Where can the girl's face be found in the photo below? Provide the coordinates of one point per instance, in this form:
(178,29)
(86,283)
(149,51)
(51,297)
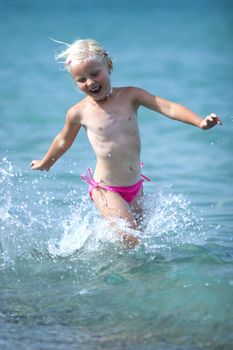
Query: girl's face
(92,78)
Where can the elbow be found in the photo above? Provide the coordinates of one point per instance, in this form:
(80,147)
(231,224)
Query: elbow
(171,110)
(176,111)
(63,144)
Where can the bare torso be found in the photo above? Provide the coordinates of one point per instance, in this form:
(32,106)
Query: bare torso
(112,129)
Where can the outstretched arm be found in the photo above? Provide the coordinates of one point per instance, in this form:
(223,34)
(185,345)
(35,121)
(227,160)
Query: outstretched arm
(60,144)
(174,110)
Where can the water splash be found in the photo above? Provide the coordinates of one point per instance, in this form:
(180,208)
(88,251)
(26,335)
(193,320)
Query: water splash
(19,228)
(9,223)
(42,228)
(6,172)
(170,222)
(85,229)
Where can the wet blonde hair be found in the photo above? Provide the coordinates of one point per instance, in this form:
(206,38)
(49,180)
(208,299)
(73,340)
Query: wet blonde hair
(82,50)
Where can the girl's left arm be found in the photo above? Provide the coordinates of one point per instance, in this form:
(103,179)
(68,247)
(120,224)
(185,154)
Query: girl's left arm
(174,110)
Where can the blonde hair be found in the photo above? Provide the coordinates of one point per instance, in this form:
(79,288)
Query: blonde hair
(82,50)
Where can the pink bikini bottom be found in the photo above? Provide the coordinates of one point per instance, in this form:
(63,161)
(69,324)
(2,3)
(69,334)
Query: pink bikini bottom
(128,193)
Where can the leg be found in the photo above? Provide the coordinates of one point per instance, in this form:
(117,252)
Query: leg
(136,207)
(112,205)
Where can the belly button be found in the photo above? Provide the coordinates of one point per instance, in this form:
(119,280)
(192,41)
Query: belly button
(130,168)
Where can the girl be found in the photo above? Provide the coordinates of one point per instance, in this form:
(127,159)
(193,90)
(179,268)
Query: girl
(109,116)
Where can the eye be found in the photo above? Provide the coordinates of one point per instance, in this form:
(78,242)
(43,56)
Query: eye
(81,80)
(95,73)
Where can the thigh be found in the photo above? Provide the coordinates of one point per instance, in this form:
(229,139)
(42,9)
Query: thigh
(137,208)
(111,204)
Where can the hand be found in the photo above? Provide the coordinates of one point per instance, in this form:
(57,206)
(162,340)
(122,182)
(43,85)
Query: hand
(210,121)
(130,241)
(38,165)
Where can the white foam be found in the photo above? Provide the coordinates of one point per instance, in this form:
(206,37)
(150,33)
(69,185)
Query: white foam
(60,230)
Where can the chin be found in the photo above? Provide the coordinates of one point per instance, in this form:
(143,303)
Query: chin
(99,97)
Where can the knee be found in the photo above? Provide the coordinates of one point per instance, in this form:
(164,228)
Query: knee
(131,241)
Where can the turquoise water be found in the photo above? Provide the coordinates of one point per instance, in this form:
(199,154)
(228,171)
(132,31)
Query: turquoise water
(64,282)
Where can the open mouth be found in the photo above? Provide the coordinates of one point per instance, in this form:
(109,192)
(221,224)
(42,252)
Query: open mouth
(95,90)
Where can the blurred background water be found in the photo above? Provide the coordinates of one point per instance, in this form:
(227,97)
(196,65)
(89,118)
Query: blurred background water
(65,283)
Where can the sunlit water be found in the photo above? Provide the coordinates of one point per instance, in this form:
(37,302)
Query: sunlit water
(66,279)
(62,268)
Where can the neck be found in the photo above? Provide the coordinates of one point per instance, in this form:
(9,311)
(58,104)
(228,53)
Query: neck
(110,92)
(106,96)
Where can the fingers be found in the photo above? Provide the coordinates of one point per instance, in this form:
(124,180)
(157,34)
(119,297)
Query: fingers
(216,118)
(35,165)
(213,118)
(210,121)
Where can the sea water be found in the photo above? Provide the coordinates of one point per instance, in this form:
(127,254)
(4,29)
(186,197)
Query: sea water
(66,281)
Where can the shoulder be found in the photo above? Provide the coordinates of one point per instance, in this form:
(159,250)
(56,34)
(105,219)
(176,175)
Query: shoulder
(127,90)
(138,96)
(74,113)
(131,92)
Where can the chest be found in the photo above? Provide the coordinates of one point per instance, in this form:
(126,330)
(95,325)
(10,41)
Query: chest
(111,122)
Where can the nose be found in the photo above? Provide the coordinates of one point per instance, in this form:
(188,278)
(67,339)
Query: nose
(90,82)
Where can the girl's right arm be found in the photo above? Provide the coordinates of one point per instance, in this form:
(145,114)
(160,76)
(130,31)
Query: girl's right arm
(60,144)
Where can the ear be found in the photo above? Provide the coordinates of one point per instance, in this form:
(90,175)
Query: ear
(110,66)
